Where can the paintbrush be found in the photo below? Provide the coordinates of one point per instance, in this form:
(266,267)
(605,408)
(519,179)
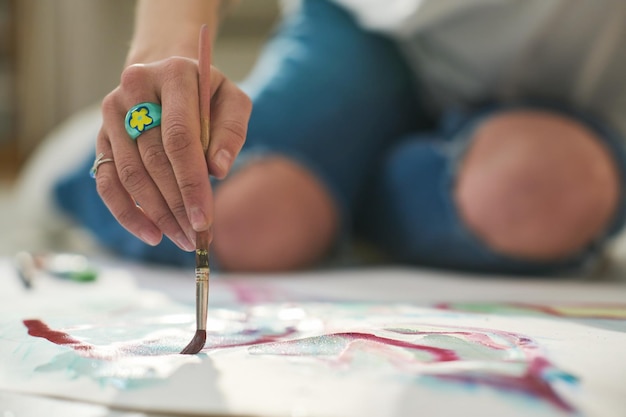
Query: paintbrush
(202,238)
(26,268)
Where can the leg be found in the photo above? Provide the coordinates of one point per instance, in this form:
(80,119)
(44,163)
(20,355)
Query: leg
(327,97)
(273,214)
(535,191)
(537,186)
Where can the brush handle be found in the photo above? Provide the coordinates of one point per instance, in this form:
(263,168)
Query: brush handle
(202,238)
(204,85)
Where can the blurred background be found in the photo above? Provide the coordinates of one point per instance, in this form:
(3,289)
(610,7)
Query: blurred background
(59,58)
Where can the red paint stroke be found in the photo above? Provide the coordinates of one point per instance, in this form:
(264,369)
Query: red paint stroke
(37,328)
(534,382)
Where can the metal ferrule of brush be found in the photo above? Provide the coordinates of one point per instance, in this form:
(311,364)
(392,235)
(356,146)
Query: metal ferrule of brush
(202,288)
(202,297)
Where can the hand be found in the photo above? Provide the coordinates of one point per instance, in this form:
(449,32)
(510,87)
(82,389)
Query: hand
(159,183)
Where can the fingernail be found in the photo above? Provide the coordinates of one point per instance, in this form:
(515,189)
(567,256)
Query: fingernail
(222,160)
(198,219)
(150,237)
(184,243)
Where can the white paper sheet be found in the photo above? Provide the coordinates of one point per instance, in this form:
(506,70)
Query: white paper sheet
(351,343)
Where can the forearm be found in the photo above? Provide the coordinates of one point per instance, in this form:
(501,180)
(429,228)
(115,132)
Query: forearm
(165,28)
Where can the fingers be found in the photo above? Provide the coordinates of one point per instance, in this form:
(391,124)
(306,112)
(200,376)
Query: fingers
(230,112)
(180,130)
(142,166)
(119,202)
(159,183)
(168,212)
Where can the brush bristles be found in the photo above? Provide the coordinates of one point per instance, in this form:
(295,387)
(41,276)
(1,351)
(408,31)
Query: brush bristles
(196,344)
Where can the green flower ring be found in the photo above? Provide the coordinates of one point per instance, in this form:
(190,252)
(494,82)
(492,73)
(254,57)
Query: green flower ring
(142,117)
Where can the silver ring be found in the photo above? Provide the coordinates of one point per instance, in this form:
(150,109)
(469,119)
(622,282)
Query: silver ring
(99,161)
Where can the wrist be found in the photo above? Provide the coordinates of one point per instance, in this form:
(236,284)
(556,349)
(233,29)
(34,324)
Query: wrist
(164,29)
(147,52)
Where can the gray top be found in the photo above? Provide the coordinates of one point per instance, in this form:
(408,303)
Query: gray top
(465,51)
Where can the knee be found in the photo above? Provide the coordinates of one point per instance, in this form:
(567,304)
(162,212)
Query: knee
(272,215)
(537,185)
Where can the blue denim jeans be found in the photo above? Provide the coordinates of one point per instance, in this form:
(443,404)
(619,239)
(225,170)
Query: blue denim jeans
(343,103)
(411,212)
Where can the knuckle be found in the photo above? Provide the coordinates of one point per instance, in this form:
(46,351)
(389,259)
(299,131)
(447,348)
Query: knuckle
(125,217)
(109,103)
(164,220)
(176,136)
(105,187)
(179,210)
(246,101)
(231,92)
(155,155)
(217,73)
(235,130)
(189,187)
(177,65)
(132,177)
(133,76)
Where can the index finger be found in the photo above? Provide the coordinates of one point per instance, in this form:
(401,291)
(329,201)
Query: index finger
(229,124)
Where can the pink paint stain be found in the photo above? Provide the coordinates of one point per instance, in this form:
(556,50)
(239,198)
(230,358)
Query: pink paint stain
(327,344)
(534,382)
(38,328)
(250,338)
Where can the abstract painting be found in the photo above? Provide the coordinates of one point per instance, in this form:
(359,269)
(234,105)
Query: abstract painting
(271,357)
